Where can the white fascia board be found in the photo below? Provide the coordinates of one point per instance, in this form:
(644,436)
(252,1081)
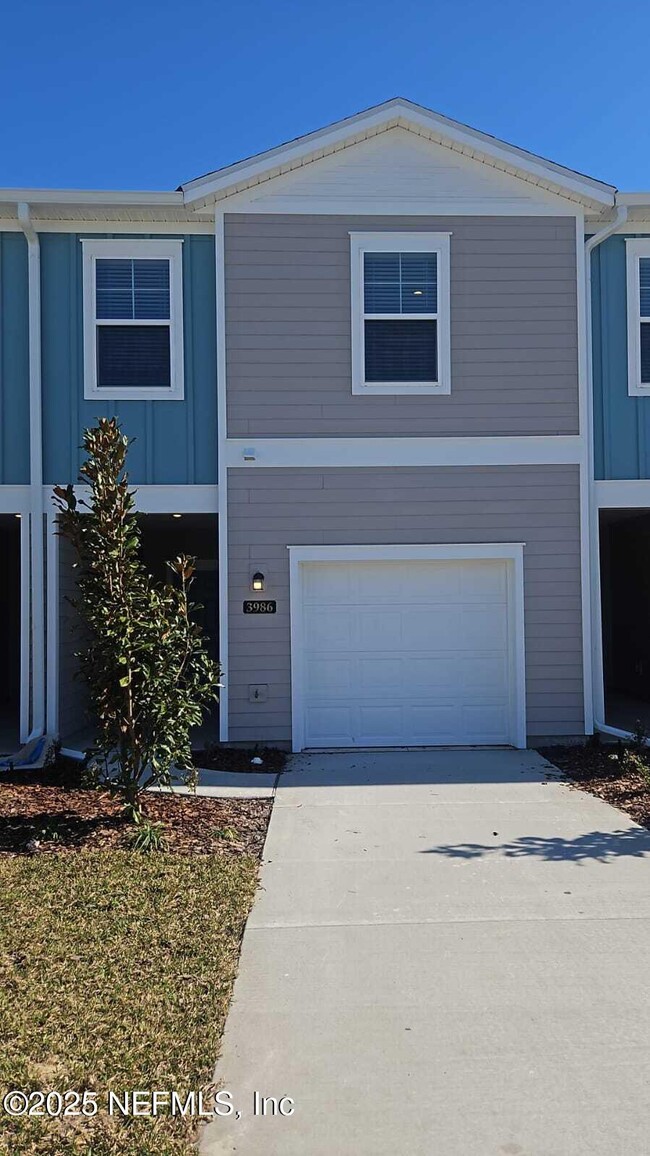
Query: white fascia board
(110,225)
(515,158)
(406,115)
(89,197)
(627,494)
(634,199)
(321,453)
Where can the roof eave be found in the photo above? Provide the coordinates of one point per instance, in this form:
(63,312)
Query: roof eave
(89,197)
(399,113)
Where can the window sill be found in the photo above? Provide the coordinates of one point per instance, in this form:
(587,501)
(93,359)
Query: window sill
(135,394)
(389,388)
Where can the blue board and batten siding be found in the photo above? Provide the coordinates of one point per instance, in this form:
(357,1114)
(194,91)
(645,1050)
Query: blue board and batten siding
(14,361)
(175,441)
(621,422)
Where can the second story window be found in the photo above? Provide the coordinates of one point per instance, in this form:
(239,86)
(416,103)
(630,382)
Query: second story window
(400,313)
(133,319)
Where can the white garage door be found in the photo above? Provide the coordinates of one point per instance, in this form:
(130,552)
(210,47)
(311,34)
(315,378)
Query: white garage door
(407,653)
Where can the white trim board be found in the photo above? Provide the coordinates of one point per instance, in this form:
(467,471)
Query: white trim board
(510,552)
(587,518)
(622,495)
(14,499)
(348,207)
(165,499)
(222,418)
(251,453)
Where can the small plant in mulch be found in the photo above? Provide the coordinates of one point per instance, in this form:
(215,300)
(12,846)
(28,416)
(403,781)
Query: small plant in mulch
(227,833)
(147,836)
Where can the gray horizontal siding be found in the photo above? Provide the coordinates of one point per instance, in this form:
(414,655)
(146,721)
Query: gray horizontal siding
(513,329)
(269,509)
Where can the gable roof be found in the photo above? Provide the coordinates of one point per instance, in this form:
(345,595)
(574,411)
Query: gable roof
(398,113)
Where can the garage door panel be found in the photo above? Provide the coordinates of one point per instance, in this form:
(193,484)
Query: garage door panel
(379,629)
(434,675)
(401,653)
(330,632)
(377,725)
(433,724)
(431,627)
(489,671)
(327,582)
(489,720)
(483,627)
(329,677)
(330,726)
(429,585)
(483,582)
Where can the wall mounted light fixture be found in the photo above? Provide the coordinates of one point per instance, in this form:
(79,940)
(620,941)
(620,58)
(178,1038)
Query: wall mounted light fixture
(257,581)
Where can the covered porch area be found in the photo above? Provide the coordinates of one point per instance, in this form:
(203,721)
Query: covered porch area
(164,537)
(625,608)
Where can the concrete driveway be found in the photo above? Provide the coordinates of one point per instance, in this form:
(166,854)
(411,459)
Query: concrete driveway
(449,956)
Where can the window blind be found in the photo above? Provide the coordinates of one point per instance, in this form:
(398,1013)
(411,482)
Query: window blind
(401,350)
(644,306)
(400,283)
(131,356)
(404,349)
(132,290)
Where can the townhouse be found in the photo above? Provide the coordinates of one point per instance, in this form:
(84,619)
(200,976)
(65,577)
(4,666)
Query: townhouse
(358,371)
(620,322)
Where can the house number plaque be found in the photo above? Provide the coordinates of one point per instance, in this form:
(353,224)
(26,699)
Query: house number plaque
(259,606)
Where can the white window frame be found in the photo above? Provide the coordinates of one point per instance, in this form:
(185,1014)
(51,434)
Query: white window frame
(172,251)
(635,249)
(394,242)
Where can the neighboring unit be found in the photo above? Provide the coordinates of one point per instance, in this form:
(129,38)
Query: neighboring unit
(358,367)
(621,382)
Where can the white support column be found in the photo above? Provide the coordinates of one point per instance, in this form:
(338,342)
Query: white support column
(25,648)
(36,526)
(587,559)
(52,624)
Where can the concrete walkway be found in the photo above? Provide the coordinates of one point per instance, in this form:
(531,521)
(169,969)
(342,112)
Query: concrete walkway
(449,956)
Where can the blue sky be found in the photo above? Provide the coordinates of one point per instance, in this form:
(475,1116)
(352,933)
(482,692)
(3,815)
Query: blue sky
(143,94)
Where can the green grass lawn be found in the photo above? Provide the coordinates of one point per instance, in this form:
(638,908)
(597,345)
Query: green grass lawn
(116,971)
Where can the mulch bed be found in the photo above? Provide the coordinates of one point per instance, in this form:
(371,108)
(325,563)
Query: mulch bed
(613,772)
(54,808)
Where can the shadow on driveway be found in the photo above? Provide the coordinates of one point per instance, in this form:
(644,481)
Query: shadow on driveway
(601,846)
